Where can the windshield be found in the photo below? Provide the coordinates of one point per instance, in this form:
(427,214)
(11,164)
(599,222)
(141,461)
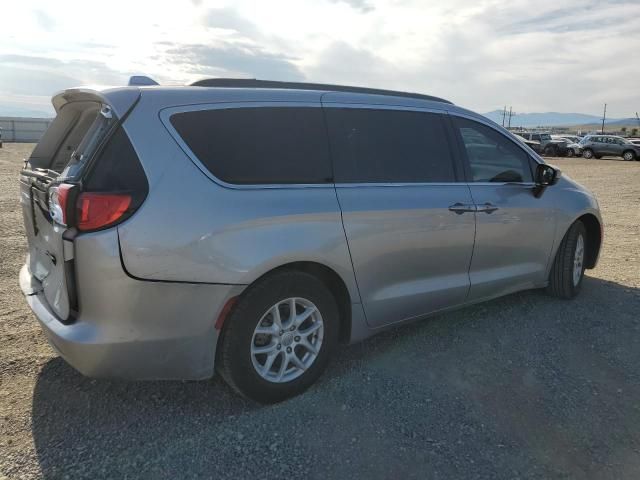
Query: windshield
(545,136)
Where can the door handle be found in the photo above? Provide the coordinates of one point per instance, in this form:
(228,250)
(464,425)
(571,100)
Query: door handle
(460,208)
(487,208)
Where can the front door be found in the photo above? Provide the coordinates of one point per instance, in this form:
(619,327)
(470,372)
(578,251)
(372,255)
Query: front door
(409,223)
(514,228)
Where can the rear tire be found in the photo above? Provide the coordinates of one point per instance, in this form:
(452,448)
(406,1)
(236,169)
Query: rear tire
(567,272)
(587,153)
(570,152)
(238,358)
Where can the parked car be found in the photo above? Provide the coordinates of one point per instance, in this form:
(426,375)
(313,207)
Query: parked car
(635,141)
(574,149)
(570,138)
(535,146)
(599,145)
(551,147)
(251,226)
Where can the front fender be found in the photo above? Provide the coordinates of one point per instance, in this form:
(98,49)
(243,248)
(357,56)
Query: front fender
(573,202)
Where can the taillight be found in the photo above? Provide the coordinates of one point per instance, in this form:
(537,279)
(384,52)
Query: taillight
(59,199)
(99,210)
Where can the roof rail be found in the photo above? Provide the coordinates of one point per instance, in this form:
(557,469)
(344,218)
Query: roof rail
(254,83)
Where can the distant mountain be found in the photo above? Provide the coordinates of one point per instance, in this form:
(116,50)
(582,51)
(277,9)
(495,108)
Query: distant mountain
(555,119)
(623,121)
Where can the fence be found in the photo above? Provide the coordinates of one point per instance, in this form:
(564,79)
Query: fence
(20,129)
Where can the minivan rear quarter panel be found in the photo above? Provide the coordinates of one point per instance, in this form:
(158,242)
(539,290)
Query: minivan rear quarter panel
(233,234)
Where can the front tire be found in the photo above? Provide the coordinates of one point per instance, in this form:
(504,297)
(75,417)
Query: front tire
(567,272)
(587,153)
(279,338)
(629,155)
(570,152)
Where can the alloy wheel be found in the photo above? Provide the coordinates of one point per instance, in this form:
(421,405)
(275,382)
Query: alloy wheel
(287,340)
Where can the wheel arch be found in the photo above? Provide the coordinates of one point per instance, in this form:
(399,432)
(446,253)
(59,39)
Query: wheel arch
(594,238)
(331,279)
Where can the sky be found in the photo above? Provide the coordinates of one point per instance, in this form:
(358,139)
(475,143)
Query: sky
(568,56)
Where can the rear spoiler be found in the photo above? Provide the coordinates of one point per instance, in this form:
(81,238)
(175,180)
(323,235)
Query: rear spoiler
(119,99)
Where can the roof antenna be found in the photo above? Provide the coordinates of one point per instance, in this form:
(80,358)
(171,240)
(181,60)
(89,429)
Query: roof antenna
(141,80)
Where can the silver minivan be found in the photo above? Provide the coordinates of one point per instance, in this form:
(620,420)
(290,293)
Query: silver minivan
(249,227)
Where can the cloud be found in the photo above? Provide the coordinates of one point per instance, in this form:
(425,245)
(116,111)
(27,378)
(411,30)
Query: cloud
(44,20)
(362,5)
(230,19)
(340,62)
(233,60)
(44,76)
(554,56)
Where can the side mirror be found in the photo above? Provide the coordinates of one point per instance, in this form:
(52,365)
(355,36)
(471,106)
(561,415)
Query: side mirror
(546,175)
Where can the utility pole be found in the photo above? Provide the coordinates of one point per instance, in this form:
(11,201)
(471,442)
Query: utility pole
(604,116)
(504,114)
(511,114)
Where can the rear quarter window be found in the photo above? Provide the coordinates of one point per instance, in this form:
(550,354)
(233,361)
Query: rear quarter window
(117,167)
(259,145)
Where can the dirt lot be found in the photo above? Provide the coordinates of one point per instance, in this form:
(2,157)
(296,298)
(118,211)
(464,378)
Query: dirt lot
(522,387)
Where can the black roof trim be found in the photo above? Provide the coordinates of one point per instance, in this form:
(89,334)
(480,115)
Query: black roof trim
(254,83)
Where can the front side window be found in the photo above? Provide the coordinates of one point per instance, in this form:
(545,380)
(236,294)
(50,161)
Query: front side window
(492,156)
(263,145)
(388,146)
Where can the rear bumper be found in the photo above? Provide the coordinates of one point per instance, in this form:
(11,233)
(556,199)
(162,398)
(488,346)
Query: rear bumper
(127,328)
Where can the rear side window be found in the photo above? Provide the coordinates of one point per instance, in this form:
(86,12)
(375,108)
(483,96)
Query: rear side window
(492,156)
(117,168)
(264,145)
(388,146)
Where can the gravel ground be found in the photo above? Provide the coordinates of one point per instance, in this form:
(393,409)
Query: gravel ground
(522,387)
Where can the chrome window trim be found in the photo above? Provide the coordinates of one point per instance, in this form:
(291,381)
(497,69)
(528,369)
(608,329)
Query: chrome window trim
(401,184)
(166,113)
(383,106)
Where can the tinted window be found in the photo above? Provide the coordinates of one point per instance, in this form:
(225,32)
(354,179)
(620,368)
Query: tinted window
(388,146)
(492,156)
(259,145)
(117,168)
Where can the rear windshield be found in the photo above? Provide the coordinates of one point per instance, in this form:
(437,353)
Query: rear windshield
(92,137)
(72,138)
